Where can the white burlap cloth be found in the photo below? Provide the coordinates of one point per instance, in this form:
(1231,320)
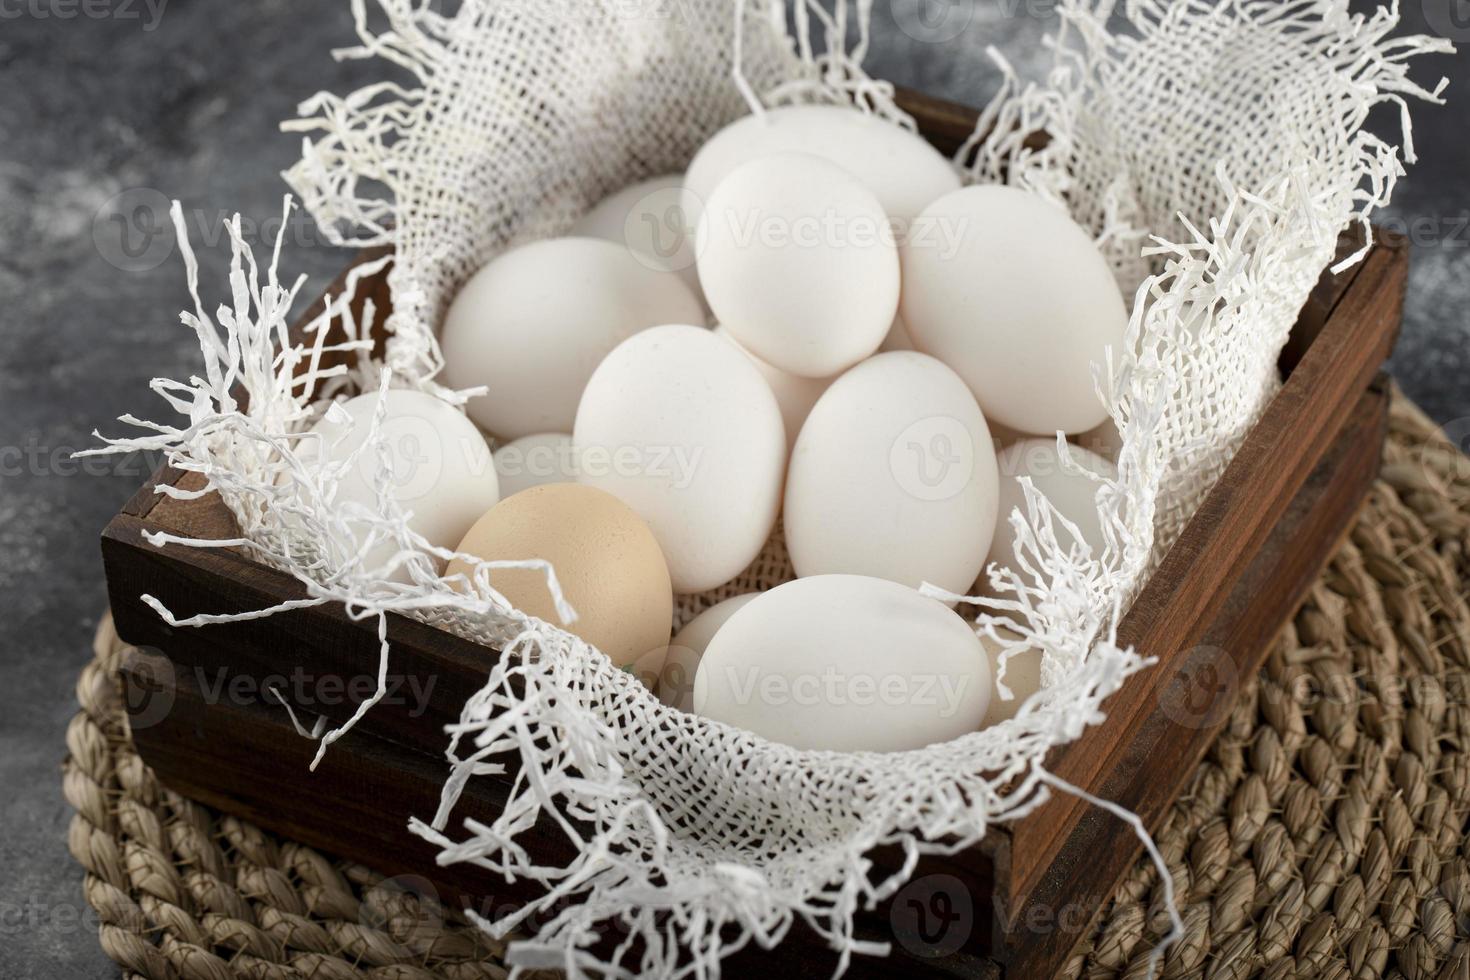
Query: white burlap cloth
(1215,150)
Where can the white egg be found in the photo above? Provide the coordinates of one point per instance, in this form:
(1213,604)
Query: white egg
(441,469)
(1019,301)
(534,323)
(798,263)
(904,171)
(680,426)
(648,217)
(893,476)
(845,663)
(1022,680)
(676,680)
(794,394)
(530,461)
(1073,494)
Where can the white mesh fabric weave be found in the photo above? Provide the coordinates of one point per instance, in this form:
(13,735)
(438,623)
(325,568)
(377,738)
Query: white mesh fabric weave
(1214,149)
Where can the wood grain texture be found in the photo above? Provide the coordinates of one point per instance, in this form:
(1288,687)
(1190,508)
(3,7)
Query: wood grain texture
(229,747)
(1067,882)
(1227,532)
(1222,592)
(356,804)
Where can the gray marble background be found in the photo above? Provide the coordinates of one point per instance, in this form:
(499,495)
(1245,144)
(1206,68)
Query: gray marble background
(101,98)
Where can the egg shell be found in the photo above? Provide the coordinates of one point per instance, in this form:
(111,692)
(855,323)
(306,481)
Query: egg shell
(893,476)
(1022,680)
(798,263)
(845,663)
(648,217)
(680,426)
(1073,494)
(1019,301)
(534,323)
(606,560)
(681,662)
(794,394)
(441,468)
(530,461)
(898,166)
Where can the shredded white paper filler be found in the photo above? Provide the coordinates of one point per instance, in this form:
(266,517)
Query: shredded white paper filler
(1213,147)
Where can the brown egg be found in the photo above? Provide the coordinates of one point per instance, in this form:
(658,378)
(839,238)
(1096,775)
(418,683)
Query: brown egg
(607,561)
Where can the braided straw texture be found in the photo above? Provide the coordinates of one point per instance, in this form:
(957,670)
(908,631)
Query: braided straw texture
(184,893)
(495,124)
(1323,835)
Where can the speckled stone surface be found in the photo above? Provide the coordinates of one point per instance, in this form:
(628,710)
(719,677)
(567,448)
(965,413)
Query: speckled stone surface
(183,97)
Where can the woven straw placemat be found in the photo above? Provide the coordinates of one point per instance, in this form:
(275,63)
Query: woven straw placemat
(1323,835)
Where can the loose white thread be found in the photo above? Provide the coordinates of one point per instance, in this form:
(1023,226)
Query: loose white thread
(502,126)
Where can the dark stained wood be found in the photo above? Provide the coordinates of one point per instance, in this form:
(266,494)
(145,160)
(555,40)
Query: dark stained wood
(1188,699)
(372,290)
(321,640)
(1224,590)
(356,804)
(943,123)
(1324,299)
(1223,537)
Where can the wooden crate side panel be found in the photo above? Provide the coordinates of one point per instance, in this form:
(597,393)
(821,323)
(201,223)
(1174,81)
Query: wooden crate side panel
(1343,335)
(1220,541)
(1195,691)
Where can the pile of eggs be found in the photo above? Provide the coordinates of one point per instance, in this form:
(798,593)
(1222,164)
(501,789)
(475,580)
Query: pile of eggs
(844,343)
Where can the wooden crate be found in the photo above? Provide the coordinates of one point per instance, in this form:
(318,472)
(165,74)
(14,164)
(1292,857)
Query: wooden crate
(1013,907)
